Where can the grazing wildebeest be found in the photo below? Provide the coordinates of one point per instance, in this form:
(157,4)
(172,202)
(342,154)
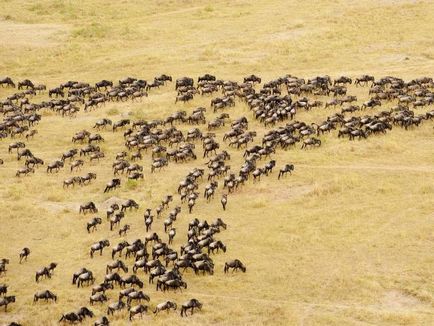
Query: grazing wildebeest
(24,254)
(7,81)
(89,206)
(311,142)
(85,278)
(103,321)
(46,295)
(92,224)
(119,248)
(252,79)
(118,264)
(71,318)
(190,304)
(216,245)
(130,203)
(100,245)
(139,309)
(24,153)
(56,165)
(42,272)
(137,295)
(167,305)
(131,280)
(27,83)
(288,168)
(113,184)
(116,306)
(104,286)
(7,300)
(99,297)
(235,265)
(31,162)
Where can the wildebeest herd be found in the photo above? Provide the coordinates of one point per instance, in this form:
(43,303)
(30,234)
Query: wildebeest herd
(273,104)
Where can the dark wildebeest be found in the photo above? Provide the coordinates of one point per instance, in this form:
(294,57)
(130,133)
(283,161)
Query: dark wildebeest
(190,304)
(7,300)
(138,310)
(89,206)
(113,184)
(235,265)
(311,142)
(24,254)
(99,246)
(46,295)
(288,168)
(92,224)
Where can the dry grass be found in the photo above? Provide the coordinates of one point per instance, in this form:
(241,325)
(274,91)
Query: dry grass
(346,240)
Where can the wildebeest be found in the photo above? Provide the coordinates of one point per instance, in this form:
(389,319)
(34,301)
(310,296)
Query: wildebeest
(42,272)
(312,141)
(252,79)
(3,289)
(46,295)
(5,301)
(190,305)
(113,184)
(99,246)
(116,306)
(71,317)
(137,295)
(102,287)
(123,230)
(167,305)
(288,168)
(7,81)
(103,321)
(56,165)
(131,280)
(86,277)
(102,123)
(129,203)
(235,265)
(24,254)
(138,310)
(89,206)
(25,171)
(99,297)
(92,224)
(118,264)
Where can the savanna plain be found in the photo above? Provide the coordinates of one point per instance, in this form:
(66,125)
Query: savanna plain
(347,239)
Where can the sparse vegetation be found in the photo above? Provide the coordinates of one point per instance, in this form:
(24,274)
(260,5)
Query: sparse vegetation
(346,240)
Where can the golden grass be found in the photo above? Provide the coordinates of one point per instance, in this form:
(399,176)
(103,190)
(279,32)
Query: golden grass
(346,240)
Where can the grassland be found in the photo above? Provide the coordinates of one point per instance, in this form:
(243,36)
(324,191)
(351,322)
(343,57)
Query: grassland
(346,240)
